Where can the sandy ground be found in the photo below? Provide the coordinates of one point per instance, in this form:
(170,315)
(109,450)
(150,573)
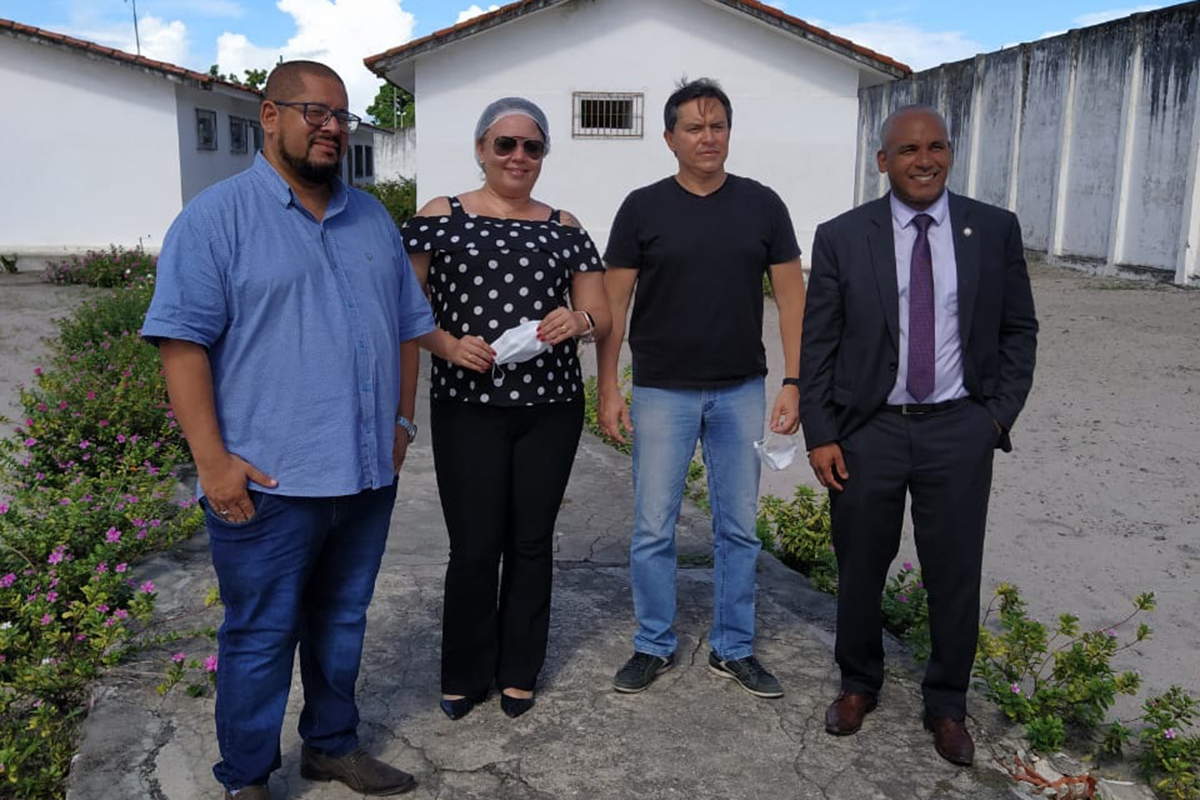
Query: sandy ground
(1099,500)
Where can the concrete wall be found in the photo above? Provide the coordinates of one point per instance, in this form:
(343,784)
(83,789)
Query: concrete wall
(1091,137)
(94,159)
(795,104)
(395,154)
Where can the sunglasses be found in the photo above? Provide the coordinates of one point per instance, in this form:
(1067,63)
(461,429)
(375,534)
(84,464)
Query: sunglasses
(505,145)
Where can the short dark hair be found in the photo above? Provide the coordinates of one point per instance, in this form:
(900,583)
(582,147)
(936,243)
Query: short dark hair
(286,81)
(693,90)
(886,128)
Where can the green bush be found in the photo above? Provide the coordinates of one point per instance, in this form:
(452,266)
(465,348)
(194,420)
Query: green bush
(1055,684)
(105,268)
(905,607)
(398,197)
(797,532)
(87,488)
(1170,757)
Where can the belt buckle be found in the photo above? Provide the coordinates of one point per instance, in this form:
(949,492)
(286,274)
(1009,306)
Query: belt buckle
(915,411)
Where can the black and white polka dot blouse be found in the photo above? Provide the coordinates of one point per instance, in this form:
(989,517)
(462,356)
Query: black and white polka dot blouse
(487,275)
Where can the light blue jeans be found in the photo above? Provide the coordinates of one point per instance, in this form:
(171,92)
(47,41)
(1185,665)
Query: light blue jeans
(667,423)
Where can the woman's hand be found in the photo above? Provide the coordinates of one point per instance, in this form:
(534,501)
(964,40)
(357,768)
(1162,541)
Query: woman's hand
(561,324)
(473,353)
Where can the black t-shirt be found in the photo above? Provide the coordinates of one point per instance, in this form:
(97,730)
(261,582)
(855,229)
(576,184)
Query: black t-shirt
(698,305)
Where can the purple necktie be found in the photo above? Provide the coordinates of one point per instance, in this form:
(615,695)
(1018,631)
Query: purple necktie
(920,313)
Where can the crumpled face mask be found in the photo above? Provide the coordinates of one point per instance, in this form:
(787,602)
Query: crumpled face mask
(519,343)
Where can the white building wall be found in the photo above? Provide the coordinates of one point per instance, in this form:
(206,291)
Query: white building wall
(395,154)
(95,160)
(795,105)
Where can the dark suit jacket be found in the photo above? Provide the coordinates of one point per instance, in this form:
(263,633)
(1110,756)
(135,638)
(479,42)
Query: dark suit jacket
(850,349)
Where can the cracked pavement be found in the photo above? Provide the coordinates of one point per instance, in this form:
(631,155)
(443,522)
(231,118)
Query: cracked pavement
(691,735)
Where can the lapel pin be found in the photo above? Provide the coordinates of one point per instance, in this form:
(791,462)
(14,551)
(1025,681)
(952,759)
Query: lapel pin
(967,232)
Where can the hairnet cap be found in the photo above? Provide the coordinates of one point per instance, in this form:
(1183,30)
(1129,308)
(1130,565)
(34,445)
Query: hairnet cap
(506,106)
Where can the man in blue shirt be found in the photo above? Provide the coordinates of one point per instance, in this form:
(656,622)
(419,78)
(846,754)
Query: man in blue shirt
(286,315)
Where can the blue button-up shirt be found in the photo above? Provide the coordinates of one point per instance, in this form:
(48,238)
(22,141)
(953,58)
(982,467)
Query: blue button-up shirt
(302,320)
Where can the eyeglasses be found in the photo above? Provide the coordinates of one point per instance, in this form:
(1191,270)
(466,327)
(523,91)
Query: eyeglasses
(505,145)
(318,114)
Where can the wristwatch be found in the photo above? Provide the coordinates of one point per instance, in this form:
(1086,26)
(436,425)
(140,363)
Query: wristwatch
(792,382)
(409,426)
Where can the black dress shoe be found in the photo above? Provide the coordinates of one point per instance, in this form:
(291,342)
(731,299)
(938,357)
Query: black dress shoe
(951,739)
(457,709)
(845,714)
(515,706)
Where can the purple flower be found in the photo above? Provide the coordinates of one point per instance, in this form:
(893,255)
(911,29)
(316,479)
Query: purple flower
(121,567)
(56,557)
(85,444)
(903,598)
(1015,688)
(30,442)
(102,568)
(3,508)
(112,535)
(8,580)
(1170,733)
(908,567)
(122,614)
(51,597)
(210,664)
(47,619)
(178,657)
(120,438)
(102,608)
(147,587)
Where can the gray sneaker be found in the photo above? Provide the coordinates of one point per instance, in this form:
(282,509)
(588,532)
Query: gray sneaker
(750,675)
(640,671)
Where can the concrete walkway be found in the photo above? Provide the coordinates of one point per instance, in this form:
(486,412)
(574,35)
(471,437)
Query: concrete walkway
(691,735)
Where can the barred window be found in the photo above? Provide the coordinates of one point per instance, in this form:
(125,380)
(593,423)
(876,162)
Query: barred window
(237,135)
(206,129)
(607,115)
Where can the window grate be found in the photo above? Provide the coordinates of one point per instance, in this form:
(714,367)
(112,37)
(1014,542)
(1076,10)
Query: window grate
(605,115)
(206,129)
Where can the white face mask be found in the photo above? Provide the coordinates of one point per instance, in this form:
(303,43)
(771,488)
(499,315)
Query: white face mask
(519,343)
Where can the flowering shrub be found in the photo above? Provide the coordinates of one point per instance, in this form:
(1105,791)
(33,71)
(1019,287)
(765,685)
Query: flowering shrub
(106,268)
(1053,683)
(88,487)
(1171,757)
(905,607)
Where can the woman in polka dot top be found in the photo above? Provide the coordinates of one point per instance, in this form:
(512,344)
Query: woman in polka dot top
(504,436)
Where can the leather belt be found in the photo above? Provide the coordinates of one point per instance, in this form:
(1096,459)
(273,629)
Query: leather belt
(919,409)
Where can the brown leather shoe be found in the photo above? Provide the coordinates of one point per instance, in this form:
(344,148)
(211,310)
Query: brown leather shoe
(845,714)
(358,770)
(249,793)
(951,739)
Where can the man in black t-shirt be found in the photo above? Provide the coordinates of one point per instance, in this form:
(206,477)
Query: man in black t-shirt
(691,250)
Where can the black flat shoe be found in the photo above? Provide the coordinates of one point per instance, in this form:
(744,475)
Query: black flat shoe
(457,709)
(514,707)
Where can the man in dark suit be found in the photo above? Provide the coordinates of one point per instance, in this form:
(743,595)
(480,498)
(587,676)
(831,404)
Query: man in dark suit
(919,347)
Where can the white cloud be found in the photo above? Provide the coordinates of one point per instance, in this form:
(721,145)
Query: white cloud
(160,39)
(474,11)
(340,33)
(905,42)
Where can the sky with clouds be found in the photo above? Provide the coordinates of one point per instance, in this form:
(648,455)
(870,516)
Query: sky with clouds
(251,34)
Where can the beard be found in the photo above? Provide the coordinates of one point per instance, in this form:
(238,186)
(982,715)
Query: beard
(311,171)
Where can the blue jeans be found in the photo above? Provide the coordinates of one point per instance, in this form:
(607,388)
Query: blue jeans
(301,571)
(667,423)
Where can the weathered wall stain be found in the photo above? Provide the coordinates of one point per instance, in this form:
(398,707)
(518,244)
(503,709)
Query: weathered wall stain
(1090,136)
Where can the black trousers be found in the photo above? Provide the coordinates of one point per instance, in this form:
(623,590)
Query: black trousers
(943,461)
(501,475)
